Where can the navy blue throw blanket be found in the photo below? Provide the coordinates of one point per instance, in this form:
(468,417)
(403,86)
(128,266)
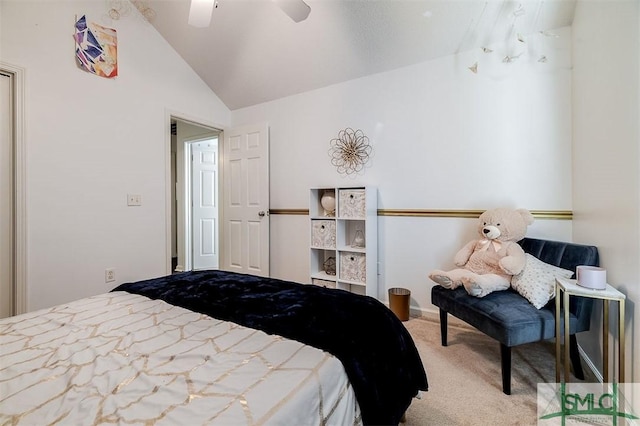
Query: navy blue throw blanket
(377,351)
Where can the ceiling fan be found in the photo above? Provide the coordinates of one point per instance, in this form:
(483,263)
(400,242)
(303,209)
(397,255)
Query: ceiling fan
(200,11)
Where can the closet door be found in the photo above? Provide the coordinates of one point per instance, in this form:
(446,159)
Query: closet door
(7,197)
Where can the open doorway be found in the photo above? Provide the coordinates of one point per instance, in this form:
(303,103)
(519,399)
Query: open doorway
(13,209)
(243,186)
(7,190)
(194,196)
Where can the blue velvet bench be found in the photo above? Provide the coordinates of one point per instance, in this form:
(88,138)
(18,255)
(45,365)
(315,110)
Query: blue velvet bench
(510,318)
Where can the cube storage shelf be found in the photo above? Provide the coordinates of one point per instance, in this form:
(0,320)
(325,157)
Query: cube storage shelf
(344,242)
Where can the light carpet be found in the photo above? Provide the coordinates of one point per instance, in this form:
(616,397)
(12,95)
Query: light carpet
(465,380)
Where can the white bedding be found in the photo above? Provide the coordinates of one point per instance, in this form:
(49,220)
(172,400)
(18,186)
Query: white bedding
(120,358)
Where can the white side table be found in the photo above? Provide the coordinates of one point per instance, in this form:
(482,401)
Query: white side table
(570,288)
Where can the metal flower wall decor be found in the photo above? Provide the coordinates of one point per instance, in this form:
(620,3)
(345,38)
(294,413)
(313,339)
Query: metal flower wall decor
(350,151)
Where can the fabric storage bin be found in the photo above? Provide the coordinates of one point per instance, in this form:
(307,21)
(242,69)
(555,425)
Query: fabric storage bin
(351,203)
(323,283)
(353,267)
(323,234)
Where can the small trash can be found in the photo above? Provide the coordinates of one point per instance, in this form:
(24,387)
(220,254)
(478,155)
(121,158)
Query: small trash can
(399,302)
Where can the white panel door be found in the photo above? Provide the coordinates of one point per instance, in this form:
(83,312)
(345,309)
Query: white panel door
(6,193)
(204,169)
(246,199)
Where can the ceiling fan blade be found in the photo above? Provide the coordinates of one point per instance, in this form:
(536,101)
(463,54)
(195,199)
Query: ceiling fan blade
(297,10)
(200,13)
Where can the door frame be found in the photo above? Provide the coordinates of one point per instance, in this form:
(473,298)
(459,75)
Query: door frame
(169,116)
(17,75)
(188,197)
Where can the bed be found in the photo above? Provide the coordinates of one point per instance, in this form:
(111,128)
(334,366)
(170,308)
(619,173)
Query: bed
(209,347)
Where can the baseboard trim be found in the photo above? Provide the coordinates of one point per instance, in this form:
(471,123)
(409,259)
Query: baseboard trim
(590,364)
(433,315)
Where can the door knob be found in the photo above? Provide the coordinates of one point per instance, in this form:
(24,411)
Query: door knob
(262,213)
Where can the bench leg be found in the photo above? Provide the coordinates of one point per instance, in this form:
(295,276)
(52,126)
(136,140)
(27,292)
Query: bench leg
(505,357)
(443,326)
(575,357)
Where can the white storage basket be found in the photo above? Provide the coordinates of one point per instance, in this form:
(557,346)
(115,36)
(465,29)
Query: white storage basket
(352,203)
(353,267)
(324,283)
(323,234)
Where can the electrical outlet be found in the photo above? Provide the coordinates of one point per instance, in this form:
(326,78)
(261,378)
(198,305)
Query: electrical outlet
(134,199)
(109,275)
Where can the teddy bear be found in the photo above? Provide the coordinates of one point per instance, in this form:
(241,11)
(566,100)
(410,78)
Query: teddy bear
(487,264)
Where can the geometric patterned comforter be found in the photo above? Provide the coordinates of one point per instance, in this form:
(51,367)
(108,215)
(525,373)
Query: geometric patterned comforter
(121,358)
(379,355)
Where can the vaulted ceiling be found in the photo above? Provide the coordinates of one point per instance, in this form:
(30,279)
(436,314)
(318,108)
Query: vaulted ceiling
(252,52)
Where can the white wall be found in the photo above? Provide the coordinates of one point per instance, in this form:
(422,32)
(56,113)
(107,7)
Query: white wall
(443,138)
(606,166)
(90,141)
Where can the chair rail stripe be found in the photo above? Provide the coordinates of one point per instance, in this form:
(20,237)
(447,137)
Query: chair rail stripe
(538,214)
